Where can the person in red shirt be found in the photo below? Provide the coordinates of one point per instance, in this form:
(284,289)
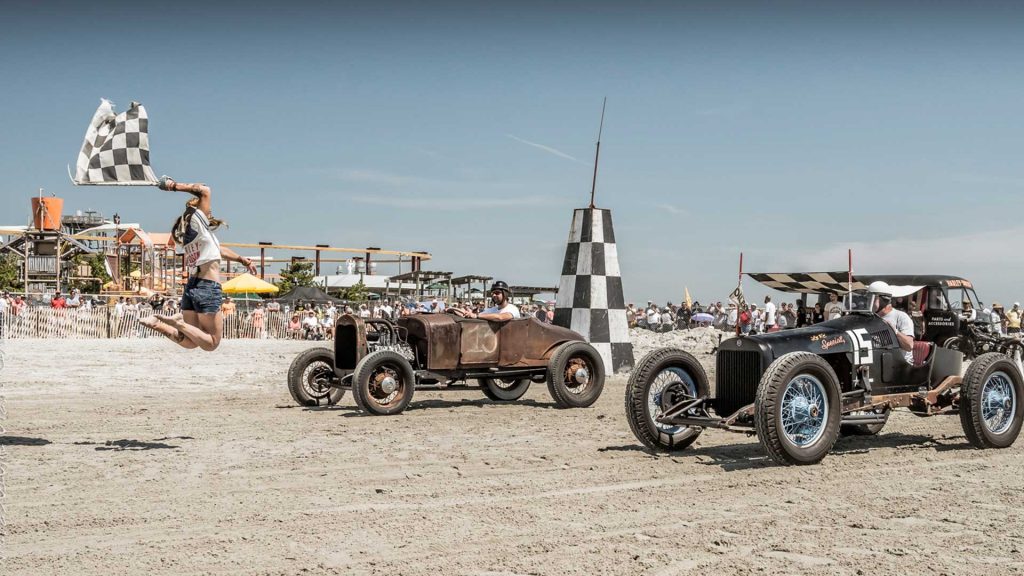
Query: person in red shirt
(58,301)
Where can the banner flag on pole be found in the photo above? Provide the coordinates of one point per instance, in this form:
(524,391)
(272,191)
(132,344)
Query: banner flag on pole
(116,149)
(736,297)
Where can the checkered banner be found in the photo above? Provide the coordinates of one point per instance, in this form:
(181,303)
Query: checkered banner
(590,299)
(116,148)
(808,282)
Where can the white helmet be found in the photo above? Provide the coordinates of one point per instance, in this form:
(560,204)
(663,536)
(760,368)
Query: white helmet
(882,292)
(881,288)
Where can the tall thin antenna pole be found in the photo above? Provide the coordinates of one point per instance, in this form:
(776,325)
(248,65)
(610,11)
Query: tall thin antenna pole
(740,299)
(849,275)
(597,154)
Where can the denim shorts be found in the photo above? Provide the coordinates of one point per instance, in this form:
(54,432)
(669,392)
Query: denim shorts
(202,296)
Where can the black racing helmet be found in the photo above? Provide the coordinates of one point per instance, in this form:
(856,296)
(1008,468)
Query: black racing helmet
(499,285)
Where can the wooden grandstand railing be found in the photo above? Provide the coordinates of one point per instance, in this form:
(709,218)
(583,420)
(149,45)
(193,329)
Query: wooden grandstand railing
(81,323)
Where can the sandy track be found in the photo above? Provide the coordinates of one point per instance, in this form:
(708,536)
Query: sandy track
(210,468)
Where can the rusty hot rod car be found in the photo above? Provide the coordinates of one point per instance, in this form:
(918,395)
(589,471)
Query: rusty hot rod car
(382,362)
(796,389)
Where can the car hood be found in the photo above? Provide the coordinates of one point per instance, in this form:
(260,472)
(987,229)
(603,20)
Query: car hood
(831,336)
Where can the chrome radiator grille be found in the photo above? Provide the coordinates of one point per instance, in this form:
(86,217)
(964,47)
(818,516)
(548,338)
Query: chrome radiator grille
(737,373)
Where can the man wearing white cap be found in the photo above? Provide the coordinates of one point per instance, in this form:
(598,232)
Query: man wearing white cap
(899,320)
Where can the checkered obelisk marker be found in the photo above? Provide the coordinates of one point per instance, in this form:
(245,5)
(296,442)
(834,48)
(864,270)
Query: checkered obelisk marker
(590,299)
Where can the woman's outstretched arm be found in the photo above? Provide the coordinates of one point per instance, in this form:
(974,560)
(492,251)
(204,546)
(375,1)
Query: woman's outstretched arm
(229,254)
(200,191)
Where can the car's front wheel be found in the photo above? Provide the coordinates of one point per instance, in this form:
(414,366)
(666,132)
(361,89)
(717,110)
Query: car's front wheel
(797,410)
(383,383)
(662,379)
(504,389)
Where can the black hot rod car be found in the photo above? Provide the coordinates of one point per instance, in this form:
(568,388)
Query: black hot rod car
(796,389)
(383,361)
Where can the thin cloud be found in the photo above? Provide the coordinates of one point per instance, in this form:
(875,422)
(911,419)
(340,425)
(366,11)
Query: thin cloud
(452,203)
(965,178)
(547,149)
(385,178)
(990,249)
(674,210)
(734,110)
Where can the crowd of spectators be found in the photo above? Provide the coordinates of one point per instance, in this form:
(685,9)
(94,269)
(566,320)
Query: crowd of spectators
(301,320)
(315,321)
(751,318)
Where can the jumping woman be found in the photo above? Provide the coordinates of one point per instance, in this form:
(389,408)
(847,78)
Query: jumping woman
(200,323)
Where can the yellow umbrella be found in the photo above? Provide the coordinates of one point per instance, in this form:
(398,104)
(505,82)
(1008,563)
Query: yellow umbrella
(248,283)
(689,303)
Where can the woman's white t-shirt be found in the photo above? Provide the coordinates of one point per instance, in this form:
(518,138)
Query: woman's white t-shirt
(201,246)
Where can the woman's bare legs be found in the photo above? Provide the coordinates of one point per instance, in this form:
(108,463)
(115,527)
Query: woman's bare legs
(169,331)
(203,330)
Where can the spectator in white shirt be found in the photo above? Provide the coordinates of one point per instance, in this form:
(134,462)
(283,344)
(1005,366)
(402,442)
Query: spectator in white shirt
(769,314)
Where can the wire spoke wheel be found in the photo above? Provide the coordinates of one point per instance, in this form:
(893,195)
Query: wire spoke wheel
(668,388)
(796,409)
(504,389)
(311,378)
(998,403)
(804,409)
(575,375)
(506,383)
(578,374)
(316,379)
(989,401)
(383,383)
(662,379)
(386,385)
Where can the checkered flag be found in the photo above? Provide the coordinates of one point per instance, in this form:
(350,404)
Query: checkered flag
(116,148)
(590,299)
(809,282)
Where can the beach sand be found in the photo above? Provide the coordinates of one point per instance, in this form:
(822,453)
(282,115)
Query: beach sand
(133,457)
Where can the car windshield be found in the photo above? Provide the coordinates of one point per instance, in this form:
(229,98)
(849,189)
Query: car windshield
(858,302)
(962,298)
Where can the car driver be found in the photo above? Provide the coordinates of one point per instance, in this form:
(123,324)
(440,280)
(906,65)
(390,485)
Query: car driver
(967,311)
(501,309)
(899,320)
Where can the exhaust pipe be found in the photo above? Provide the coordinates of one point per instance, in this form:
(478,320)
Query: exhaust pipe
(864,419)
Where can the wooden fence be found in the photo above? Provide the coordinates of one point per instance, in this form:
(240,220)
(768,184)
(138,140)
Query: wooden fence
(70,323)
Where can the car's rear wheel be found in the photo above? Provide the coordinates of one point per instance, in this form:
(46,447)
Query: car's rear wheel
(383,383)
(797,410)
(504,389)
(310,377)
(660,380)
(990,402)
(575,375)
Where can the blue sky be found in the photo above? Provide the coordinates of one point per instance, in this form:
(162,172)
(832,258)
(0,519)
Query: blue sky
(788,131)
